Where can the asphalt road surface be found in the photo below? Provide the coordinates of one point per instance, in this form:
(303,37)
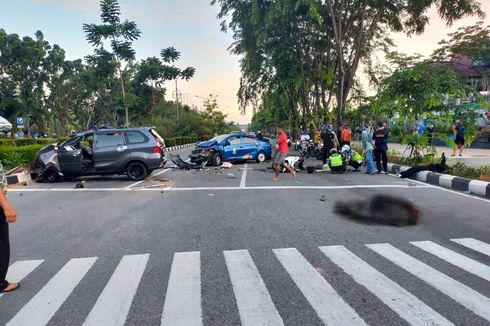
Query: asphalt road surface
(231,247)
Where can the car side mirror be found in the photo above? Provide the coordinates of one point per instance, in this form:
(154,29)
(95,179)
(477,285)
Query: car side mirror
(227,143)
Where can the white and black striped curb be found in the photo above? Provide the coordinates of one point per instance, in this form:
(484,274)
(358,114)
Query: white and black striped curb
(18,178)
(174,148)
(477,187)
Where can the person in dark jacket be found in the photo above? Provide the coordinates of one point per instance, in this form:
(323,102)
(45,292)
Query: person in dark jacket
(433,167)
(329,142)
(380,137)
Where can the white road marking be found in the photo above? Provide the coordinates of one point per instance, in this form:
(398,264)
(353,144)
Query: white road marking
(474,244)
(466,296)
(253,299)
(405,304)
(20,269)
(452,257)
(217,188)
(183,298)
(113,304)
(139,182)
(244,176)
(328,304)
(42,307)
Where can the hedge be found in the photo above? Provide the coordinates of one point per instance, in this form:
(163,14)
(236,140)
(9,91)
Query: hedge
(12,156)
(29,141)
(182,140)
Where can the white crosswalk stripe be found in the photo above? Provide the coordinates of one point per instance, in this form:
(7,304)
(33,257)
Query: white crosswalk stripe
(328,304)
(467,297)
(414,311)
(463,262)
(49,299)
(253,299)
(19,270)
(256,305)
(183,299)
(113,305)
(474,244)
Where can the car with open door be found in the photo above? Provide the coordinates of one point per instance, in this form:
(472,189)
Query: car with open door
(135,152)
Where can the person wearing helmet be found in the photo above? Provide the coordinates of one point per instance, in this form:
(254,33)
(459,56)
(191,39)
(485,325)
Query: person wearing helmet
(336,162)
(352,157)
(329,142)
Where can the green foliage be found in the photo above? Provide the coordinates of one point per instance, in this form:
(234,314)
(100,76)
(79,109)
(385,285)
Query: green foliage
(12,156)
(30,141)
(470,172)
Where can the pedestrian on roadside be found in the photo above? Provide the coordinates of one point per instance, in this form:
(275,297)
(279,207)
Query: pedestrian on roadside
(7,215)
(458,131)
(329,142)
(367,145)
(380,138)
(346,135)
(280,155)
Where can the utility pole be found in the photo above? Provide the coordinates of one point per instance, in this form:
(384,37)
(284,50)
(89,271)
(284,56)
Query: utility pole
(177,99)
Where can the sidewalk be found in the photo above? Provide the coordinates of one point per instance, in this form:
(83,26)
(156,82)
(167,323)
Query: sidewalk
(471,156)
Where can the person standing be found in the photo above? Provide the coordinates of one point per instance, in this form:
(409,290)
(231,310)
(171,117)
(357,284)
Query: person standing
(367,145)
(346,135)
(7,215)
(380,138)
(329,142)
(458,131)
(280,155)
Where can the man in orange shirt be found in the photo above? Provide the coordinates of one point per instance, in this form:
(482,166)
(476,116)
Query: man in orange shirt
(346,135)
(281,153)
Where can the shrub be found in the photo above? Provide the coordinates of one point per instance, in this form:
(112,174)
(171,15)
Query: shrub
(30,141)
(12,156)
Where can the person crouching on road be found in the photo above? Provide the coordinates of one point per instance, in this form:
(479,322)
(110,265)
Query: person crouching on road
(280,155)
(336,162)
(7,215)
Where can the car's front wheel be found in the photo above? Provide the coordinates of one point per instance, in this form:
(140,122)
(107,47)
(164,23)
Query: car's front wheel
(51,175)
(136,171)
(216,159)
(261,157)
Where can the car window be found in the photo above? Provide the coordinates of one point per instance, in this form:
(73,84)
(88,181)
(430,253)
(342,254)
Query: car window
(248,140)
(110,139)
(234,141)
(135,137)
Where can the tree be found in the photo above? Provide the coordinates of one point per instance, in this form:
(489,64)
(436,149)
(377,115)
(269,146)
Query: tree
(121,36)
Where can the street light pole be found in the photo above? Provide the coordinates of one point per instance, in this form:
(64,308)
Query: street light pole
(177,99)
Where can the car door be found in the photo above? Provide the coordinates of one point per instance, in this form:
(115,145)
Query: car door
(110,151)
(70,160)
(231,148)
(248,149)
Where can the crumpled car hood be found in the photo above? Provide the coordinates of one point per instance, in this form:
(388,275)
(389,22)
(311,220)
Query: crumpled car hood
(206,144)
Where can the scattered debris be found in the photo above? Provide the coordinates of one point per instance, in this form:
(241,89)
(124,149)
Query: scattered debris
(211,195)
(226,165)
(323,198)
(230,176)
(181,164)
(17,169)
(411,184)
(80,185)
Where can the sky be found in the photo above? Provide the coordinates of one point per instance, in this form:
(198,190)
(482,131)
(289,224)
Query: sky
(190,26)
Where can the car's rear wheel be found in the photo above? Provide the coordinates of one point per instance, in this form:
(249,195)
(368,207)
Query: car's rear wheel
(136,171)
(51,175)
(216,159)
(261,157)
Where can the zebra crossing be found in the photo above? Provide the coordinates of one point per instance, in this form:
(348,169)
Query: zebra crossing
(255,304)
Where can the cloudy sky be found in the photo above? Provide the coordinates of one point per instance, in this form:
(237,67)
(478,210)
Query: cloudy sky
(190,26)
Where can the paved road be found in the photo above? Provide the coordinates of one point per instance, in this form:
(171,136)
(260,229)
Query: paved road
(224,247)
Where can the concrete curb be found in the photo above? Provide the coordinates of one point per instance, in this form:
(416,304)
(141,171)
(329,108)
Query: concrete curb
(26,177)
(18,178)
(477,187)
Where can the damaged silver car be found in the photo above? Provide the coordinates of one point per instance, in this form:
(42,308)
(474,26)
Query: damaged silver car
(135,152)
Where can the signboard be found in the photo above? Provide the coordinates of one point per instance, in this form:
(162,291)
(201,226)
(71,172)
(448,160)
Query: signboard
(20,122)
